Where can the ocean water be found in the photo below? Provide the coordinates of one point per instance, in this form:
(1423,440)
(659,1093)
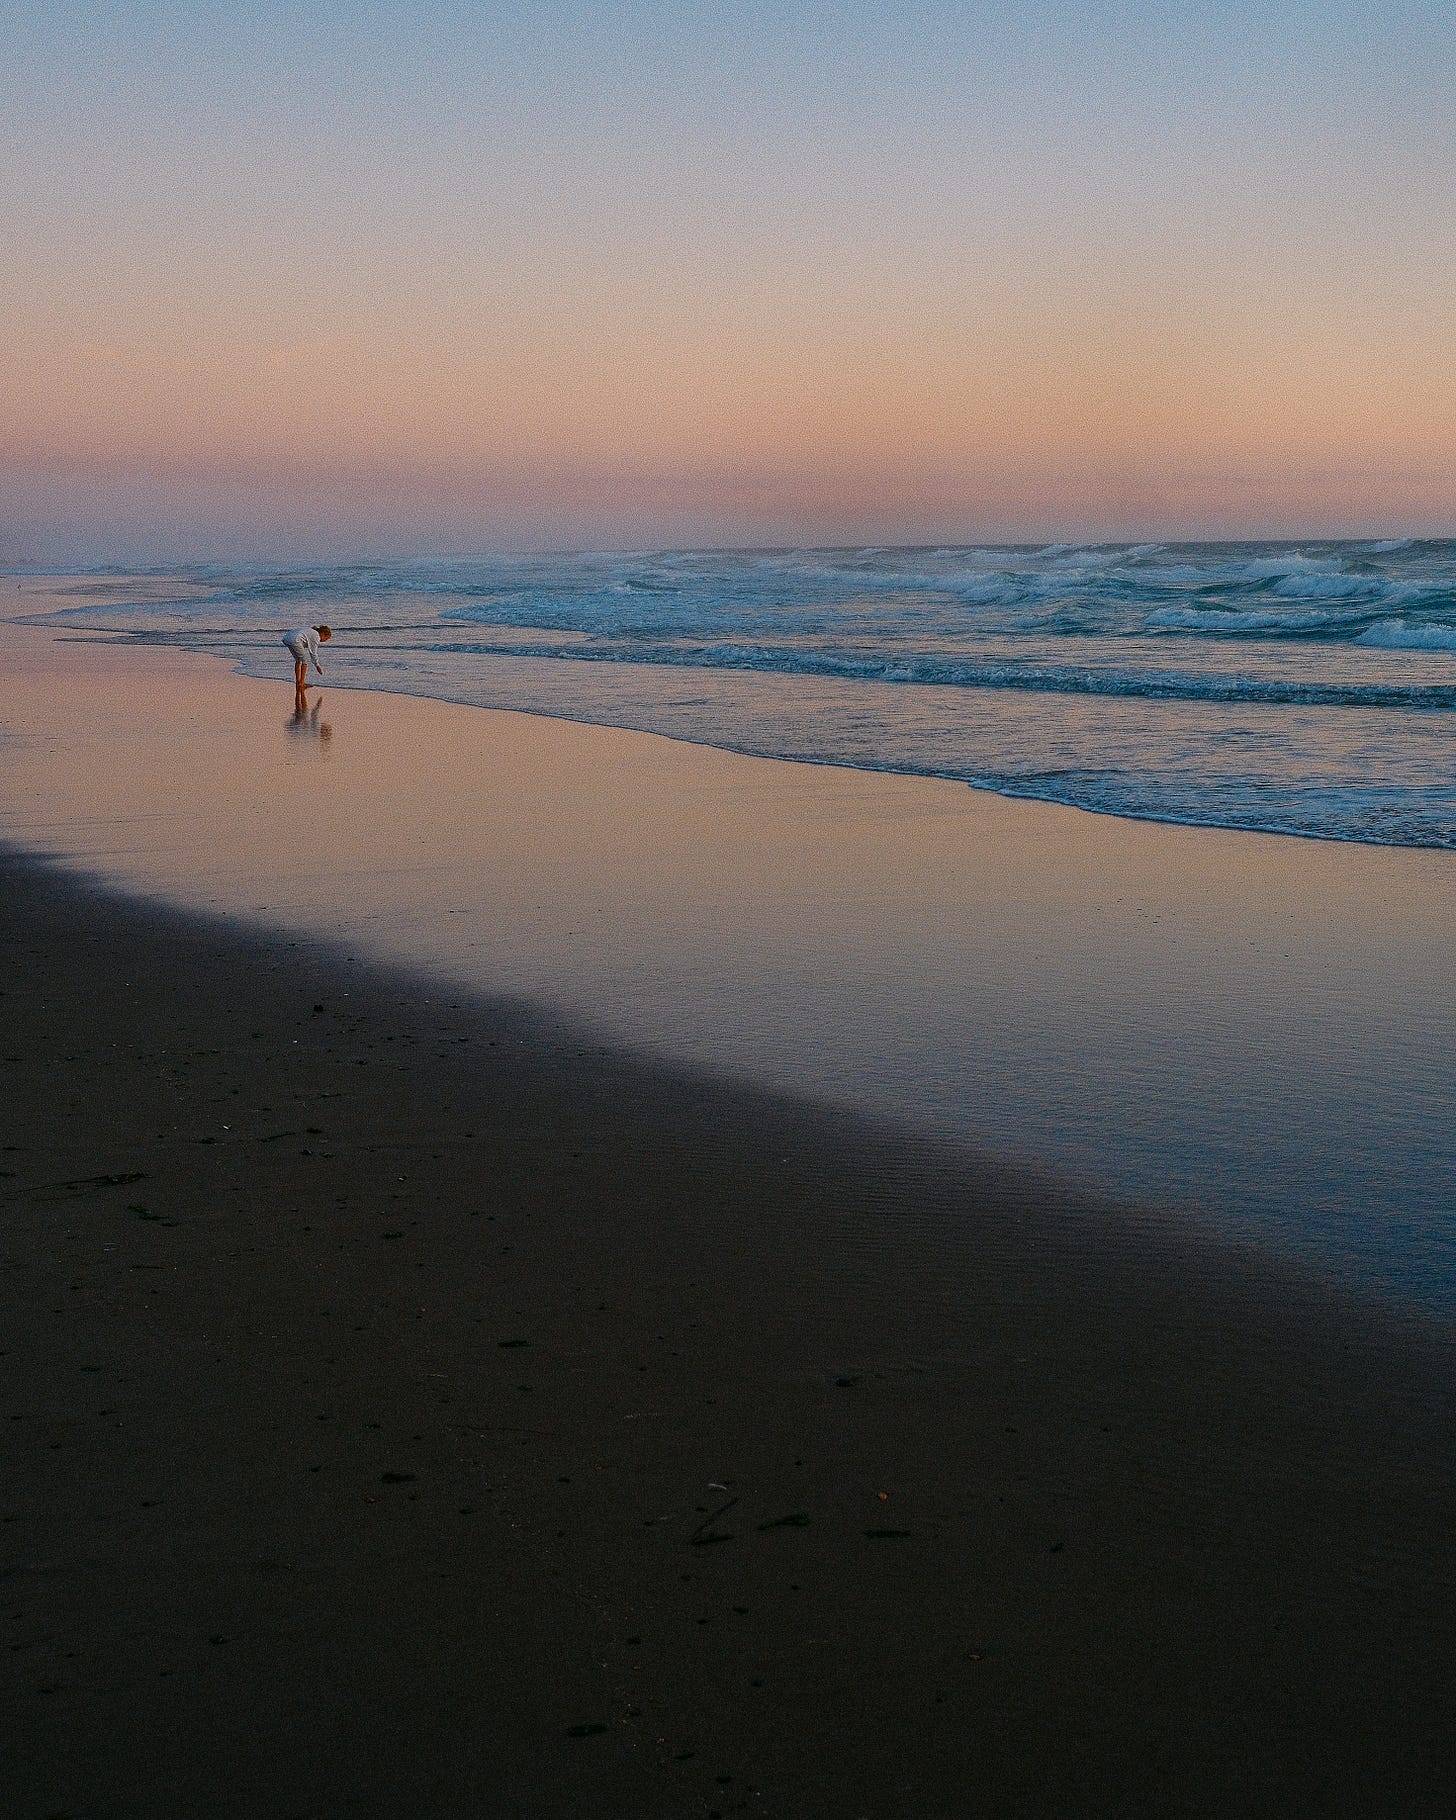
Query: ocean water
(1302,688)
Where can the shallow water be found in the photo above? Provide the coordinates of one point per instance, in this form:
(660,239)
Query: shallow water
(1254,1026)
(1305,688)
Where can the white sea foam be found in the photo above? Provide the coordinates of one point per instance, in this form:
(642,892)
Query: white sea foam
(1303,586)
(1401,635)
(1230,619)
(1095,556)
(1243,572)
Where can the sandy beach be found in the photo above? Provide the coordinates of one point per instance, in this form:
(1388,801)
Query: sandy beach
(422,1401)
(780,1142)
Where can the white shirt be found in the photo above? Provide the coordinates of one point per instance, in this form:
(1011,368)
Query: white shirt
(304,644)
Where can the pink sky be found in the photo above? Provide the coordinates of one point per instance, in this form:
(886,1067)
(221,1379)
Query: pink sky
(424,289)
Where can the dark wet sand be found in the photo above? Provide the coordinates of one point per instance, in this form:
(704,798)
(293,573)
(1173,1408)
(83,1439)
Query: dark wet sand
(408,1413)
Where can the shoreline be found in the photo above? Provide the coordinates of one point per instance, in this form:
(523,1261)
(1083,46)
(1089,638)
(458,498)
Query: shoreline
(291,1536)
(107,638)
(532,683)
(1255,1030)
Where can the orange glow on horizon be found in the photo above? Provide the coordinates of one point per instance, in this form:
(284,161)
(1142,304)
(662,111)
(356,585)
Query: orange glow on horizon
(1000,279)
(1146,412)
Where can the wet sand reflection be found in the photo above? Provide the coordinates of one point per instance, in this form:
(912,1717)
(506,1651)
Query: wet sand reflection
(307,723)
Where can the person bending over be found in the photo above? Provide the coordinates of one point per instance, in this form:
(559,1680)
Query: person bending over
(304,644)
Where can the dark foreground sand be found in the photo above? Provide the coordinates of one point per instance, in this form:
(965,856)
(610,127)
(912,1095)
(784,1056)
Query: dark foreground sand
(408,1415)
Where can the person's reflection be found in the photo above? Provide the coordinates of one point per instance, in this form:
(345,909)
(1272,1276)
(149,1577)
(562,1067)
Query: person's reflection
(305,721)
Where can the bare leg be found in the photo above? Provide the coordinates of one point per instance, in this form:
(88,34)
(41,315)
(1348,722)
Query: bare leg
(300,670)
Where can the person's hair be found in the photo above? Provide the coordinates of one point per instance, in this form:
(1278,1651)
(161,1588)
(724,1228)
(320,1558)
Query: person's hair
(323,631)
